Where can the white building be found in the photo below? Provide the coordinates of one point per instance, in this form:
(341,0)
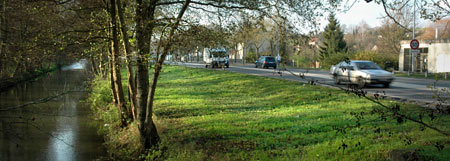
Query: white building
(238,53)
(434,56)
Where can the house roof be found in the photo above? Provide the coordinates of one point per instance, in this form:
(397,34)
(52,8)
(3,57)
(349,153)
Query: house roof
(314,39)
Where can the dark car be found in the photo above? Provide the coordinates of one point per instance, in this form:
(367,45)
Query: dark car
(266,62)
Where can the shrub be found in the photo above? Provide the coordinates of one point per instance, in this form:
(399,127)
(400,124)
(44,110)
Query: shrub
(384,61)
(250,57)
(334,59)
(302,61)
(121,143)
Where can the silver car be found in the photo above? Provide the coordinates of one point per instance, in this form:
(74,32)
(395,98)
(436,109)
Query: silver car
(360,72)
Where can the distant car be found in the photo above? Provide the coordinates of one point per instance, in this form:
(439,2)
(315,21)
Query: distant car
(266,62)
(360,72)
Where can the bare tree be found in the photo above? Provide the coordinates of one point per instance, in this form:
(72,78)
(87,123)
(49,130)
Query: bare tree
(442,27)
(433,10)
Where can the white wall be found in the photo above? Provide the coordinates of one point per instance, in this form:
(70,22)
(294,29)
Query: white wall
(442,57)
(438,54)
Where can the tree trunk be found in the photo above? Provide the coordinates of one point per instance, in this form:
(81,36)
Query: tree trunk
(236,53)
(111,78)
(4,36)
(94,65)
(151,129)
(117,78)
(110,69)
(105,59)
(257,51)
(145,13)
(131,86)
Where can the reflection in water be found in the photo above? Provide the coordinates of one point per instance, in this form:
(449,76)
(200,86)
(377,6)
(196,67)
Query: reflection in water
(55,130)
(61,146)
(76,66)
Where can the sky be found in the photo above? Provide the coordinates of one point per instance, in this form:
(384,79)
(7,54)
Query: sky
(361,11)
(371,13)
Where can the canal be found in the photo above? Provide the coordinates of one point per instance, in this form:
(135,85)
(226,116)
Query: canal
(47,119)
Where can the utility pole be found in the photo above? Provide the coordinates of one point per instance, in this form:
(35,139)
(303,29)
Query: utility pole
(413,37)
(414,21)
(276,45)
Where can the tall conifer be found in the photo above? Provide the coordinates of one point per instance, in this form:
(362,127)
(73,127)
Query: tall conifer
(333,39)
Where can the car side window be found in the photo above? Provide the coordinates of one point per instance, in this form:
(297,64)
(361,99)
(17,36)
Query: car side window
(350,68)
(346,68)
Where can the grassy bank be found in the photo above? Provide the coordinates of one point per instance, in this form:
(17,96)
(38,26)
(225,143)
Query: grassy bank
(218,115)
(436,76)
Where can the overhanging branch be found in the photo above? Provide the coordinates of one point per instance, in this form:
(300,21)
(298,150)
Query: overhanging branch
(392,17)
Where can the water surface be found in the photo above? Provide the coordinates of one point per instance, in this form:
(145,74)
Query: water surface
(58,129)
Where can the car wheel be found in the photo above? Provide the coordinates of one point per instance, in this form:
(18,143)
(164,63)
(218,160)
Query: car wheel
(386,85)
(256,66)
(336,79)
(361,83)
(228,66)
(274,67)
(206,66)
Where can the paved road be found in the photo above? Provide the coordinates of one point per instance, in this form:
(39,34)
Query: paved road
(411,90)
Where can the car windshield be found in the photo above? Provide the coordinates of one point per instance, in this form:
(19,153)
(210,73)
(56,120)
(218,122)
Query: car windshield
(367,65)
(219,54)
(270,59)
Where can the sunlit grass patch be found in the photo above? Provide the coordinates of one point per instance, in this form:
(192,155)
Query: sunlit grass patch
(204,114)
(232,116)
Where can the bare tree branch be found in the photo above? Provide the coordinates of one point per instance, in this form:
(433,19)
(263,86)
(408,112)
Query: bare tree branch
(393,18)
(207,4)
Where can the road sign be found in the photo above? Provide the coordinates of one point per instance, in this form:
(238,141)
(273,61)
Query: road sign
(414,44)
(414,51)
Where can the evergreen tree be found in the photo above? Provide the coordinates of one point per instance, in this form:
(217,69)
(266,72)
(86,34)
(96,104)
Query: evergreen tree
(333,39)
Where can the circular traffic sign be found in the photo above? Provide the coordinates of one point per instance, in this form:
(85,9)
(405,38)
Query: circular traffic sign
(414,44)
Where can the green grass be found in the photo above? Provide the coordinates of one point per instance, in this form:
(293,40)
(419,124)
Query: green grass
(222,115)
(439,76)
(219,115)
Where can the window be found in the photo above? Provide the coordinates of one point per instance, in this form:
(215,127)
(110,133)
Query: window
(423,50)
(418,62)
(270,59)
(367,65)
(349,68)
(406,60)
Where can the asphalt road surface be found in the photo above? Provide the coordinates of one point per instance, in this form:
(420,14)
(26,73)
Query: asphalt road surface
(412,90)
